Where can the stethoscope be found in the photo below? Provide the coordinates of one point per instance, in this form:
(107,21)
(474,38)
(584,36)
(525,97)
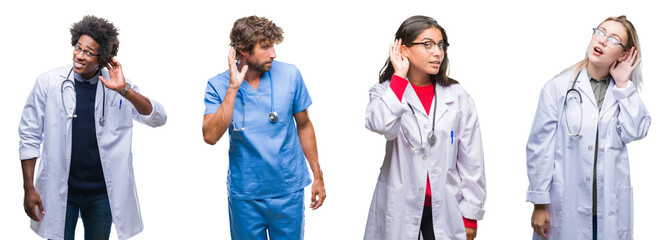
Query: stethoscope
(273,117)
(63,87)
(431,138)
(581,109)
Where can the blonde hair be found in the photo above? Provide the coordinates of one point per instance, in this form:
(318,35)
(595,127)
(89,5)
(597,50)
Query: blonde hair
(633,41)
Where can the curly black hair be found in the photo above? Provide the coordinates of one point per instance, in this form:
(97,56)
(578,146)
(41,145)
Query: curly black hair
(102,31)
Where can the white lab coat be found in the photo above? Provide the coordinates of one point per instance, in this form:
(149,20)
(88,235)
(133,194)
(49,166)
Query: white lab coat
(456,170)
(44,121)
(560,167)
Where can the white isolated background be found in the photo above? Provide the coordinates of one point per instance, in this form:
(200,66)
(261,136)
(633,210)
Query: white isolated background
(502,52)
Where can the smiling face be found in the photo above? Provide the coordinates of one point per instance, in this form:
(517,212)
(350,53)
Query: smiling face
(602,53)
(82,63)
(421,59)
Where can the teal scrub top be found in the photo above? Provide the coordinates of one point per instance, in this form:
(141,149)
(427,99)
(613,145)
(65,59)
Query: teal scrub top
(265,159)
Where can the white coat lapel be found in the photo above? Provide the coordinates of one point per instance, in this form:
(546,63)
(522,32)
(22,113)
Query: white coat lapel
(609,101)
(412,99)
(445,96)
(584,84)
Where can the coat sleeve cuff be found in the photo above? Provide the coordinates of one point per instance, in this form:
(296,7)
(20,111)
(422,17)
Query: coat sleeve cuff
(538,197)
(621,93)
(30,153)
(157,117)
(471,212)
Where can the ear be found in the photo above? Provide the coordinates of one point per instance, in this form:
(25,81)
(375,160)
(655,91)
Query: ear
(404,51)
(624,56)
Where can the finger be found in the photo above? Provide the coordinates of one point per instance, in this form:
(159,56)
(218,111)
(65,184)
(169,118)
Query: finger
(231,58)
(546,229)
(30,210)
(322,197)
(115,63)
(632,57)
(637,63)
(39,204)
(104,81)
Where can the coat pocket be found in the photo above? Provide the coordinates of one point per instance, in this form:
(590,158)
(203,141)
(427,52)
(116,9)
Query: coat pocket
(624,211)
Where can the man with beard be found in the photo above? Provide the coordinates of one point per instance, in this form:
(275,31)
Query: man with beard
(257,101)
(82,116)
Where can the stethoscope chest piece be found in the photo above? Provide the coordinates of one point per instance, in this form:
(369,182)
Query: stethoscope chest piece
(101,122)
(273,117)
(431,137)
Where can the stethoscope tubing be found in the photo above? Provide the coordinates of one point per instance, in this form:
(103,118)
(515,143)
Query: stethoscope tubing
(101,121)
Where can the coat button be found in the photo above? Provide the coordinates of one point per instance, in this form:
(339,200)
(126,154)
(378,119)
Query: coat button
(588,179)
(424,158)
(420,190)
(590,148)
(425,126)
(416,221)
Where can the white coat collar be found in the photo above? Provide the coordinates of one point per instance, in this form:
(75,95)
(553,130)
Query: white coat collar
(445,95)
(584,84)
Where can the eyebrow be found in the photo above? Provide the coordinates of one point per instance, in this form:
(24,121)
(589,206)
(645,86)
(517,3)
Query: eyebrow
(616,35)
(89,47)
(430,39)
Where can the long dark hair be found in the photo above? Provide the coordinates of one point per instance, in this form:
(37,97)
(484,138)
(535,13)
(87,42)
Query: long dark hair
(409,30)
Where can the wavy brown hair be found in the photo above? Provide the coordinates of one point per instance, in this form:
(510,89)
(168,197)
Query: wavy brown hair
(248,31)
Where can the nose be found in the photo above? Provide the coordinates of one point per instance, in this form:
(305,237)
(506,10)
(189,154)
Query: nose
(273,54)
(602,40)
(79,55)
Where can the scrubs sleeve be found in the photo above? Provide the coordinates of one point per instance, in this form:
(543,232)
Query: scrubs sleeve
(470,162)
(31,126)
(541,146)
(301,98)
(384,111)
(634,120)
(215,92)
(156,118)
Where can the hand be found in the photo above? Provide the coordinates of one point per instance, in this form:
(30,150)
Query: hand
(30,200)
(400,63)
(236,77)
(540,220)
(471,233)
(621,70)
(116,80)
(320,190)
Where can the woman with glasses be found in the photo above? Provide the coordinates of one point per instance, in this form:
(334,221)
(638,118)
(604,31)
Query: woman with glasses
(576,153)
(432,179)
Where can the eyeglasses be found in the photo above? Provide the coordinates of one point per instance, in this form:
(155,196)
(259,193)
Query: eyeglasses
(429,45)
(78,49)
(600,33)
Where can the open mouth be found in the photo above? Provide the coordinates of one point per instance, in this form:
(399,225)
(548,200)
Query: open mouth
(598,50)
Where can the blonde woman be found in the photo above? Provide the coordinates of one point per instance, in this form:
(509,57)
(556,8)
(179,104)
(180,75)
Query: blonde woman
(576,154)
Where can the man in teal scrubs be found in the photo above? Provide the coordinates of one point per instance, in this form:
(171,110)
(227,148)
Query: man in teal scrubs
(257,101)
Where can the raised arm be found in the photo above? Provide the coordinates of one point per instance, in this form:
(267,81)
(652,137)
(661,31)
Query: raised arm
(215,125)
